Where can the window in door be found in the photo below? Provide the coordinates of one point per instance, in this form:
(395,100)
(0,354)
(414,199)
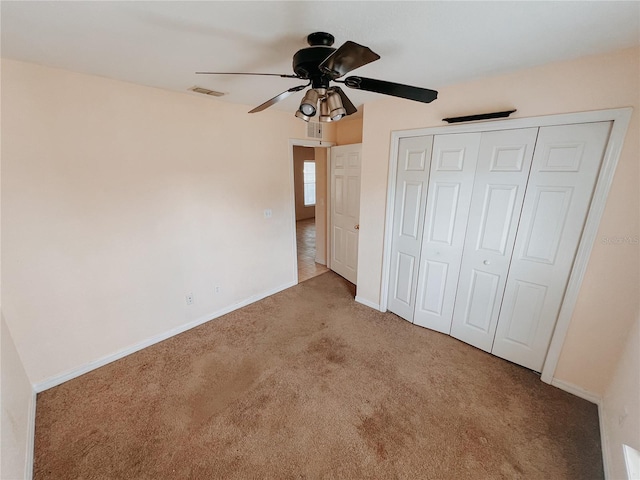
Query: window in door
(309,177)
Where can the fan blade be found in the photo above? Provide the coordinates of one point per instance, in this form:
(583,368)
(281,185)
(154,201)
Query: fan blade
(346,103)
(277,98)
(348,57)
(418,94)
(283,75)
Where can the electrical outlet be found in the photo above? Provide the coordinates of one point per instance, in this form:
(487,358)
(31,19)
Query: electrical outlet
(217,289)
(189,298)
(268,213)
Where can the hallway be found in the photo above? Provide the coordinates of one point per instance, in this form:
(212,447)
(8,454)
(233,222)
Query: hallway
(306,241)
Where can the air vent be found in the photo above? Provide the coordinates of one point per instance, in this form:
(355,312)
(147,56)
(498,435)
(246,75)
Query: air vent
(314,130)
(206,91)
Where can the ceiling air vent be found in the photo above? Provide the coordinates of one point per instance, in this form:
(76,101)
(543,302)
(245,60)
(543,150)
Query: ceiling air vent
(206,91)
(314,130)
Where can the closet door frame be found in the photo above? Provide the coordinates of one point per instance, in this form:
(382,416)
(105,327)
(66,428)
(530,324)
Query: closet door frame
(620,118)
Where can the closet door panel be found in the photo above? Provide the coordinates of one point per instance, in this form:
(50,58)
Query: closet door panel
(564,171)
(499,203)
(453,167)
(414,156)
(501,176)
(481,298)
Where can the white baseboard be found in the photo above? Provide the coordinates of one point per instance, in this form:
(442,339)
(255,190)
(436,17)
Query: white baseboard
(368,303)
(577,391)
(31,437)
(81,370)
(604,442)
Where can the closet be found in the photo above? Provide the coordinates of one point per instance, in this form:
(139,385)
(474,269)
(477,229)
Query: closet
(485,230)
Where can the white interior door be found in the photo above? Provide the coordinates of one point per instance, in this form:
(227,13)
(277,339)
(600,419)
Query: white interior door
(414,156)
(563,175)
(345,209)
(503,167)
(453,167)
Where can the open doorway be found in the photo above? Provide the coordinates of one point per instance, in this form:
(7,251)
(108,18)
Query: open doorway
(310,187)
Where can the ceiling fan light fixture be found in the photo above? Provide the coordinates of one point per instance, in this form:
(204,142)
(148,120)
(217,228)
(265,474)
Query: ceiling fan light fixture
(324,111)
(309,103)
(301,115)
(334,104)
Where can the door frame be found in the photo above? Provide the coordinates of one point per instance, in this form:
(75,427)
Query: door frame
(620,117)
(292,188)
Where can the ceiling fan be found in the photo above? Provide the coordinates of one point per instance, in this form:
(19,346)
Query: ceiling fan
(321,64)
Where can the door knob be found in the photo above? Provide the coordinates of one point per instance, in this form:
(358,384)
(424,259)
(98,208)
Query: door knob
(486,262)
(357,227)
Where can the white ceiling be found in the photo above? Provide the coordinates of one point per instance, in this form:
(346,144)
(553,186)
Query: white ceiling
(426,44)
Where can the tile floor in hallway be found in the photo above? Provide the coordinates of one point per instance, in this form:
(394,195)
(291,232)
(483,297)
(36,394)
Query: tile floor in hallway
(306,238)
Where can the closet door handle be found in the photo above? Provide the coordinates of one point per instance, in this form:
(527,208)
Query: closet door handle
(356,227)
(487,262)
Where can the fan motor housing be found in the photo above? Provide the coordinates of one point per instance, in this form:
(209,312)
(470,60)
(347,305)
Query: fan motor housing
(307,60)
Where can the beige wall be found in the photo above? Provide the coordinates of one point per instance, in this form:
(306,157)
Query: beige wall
(608,300)
(621,405)
(119,199)
(300,154)
(17,403)
(349,131)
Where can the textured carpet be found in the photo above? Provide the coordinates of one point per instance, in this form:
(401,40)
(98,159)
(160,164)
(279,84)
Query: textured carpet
(309,384)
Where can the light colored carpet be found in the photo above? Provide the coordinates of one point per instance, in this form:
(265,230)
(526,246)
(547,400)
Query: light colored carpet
(308,384)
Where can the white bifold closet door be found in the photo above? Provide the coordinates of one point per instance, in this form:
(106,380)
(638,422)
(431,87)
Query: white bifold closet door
(485,252)
(563,175)
(453,166)
(414,155)
(498,192)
